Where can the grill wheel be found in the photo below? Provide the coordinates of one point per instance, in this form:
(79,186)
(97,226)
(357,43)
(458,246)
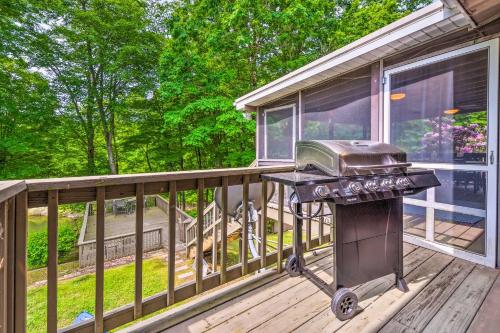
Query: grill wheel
(344,304)
(292,265)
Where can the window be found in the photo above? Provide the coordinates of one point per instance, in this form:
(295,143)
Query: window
(339,109)
(279,133)
(439,111)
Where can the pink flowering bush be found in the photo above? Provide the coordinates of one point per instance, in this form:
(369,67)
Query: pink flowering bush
(444,136)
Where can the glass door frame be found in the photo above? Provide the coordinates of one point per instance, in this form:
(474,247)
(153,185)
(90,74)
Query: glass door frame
(294,125)
(489,259)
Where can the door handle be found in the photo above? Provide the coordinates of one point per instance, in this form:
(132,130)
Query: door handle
(492,157)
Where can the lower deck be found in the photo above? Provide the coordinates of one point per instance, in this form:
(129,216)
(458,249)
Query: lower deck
(446,295)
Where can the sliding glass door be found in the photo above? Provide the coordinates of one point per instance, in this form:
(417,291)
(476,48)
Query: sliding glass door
(443,112)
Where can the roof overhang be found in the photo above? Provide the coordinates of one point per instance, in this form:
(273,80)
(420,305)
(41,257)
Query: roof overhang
(430,22)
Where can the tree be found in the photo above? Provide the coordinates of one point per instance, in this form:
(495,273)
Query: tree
(96,54)
(219,50)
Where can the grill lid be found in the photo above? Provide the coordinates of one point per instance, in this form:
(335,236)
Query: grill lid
(348,158)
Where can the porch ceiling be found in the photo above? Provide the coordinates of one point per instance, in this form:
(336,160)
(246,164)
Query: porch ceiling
(421,26)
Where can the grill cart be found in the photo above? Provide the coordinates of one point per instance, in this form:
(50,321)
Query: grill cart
(363,184)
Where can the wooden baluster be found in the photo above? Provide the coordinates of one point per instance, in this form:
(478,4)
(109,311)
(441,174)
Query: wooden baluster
(3,304)
(53,202)
(281,202)
(214,240)
(308,227)
(9,265)
(321,221)
(223,232)
(263,229)
(99,261)
(199,237)
(244,227)
(20,262)
(172,211)
(139,248)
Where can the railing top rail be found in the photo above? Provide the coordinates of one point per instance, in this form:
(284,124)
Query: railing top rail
(93,181)
(10,188)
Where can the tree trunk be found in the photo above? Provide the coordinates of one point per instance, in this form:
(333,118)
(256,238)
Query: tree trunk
(111,154)
(91,170)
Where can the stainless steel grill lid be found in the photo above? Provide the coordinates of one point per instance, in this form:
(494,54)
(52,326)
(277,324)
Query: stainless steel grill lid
(349,158)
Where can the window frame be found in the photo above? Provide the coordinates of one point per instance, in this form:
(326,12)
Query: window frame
(293,106)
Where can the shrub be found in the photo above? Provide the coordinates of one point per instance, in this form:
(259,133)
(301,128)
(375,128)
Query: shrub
(38,245)
(37,249)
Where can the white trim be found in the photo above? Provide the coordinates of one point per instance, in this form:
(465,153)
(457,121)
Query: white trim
(378,40)
(446,166)
(300,115)
(440,57)
(257,134)
(448,249)
(294,130)
(445,207)
(489,259)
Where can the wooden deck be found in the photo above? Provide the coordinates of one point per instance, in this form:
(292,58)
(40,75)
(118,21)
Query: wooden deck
(446,295)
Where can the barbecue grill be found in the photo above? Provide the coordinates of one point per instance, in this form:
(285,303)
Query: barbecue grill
(363,183)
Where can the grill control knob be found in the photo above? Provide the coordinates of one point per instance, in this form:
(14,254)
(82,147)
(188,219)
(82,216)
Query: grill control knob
(355,187)
(371,185)
(387,183)
(403,182)
(321,191)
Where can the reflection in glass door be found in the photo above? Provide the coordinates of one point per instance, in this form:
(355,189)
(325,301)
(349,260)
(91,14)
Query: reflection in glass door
(443,112)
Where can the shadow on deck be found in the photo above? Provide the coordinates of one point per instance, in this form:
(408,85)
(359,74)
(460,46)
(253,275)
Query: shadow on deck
(446,295)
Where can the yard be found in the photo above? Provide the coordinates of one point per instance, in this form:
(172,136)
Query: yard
(78,294)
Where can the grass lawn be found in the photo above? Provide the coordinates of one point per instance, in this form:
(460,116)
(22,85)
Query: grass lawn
(77,295)
(233,246)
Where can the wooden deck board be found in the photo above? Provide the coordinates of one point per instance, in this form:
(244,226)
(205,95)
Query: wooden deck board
(463,305)
(442,289)
(233,308)
(367,293)
(417,314)
(487,319)
(295,317)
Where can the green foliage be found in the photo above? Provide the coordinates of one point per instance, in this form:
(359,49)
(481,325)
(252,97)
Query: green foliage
(38,245)
(125,86)
(37,249)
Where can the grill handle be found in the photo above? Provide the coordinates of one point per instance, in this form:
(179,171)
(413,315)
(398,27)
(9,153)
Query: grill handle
(379,166)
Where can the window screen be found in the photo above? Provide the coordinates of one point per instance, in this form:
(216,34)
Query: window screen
(339,109)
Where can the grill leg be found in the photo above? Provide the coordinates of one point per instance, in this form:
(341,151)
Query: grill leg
(297,234)
(295,264)
(401,284)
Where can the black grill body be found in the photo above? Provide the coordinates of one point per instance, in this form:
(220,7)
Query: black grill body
(363,184)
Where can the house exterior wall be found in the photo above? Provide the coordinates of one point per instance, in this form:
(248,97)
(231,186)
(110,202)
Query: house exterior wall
(456,40)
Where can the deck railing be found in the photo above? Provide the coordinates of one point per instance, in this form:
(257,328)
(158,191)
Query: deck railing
(17,196)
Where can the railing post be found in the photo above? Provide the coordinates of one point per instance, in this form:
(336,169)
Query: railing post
(139,248)
(223,232)
(281,202)
(244,227)
(199,237)
(20,262)
(9,266)
(53,202)
(263,229)
(3,304)
(99,261)
(172,211)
